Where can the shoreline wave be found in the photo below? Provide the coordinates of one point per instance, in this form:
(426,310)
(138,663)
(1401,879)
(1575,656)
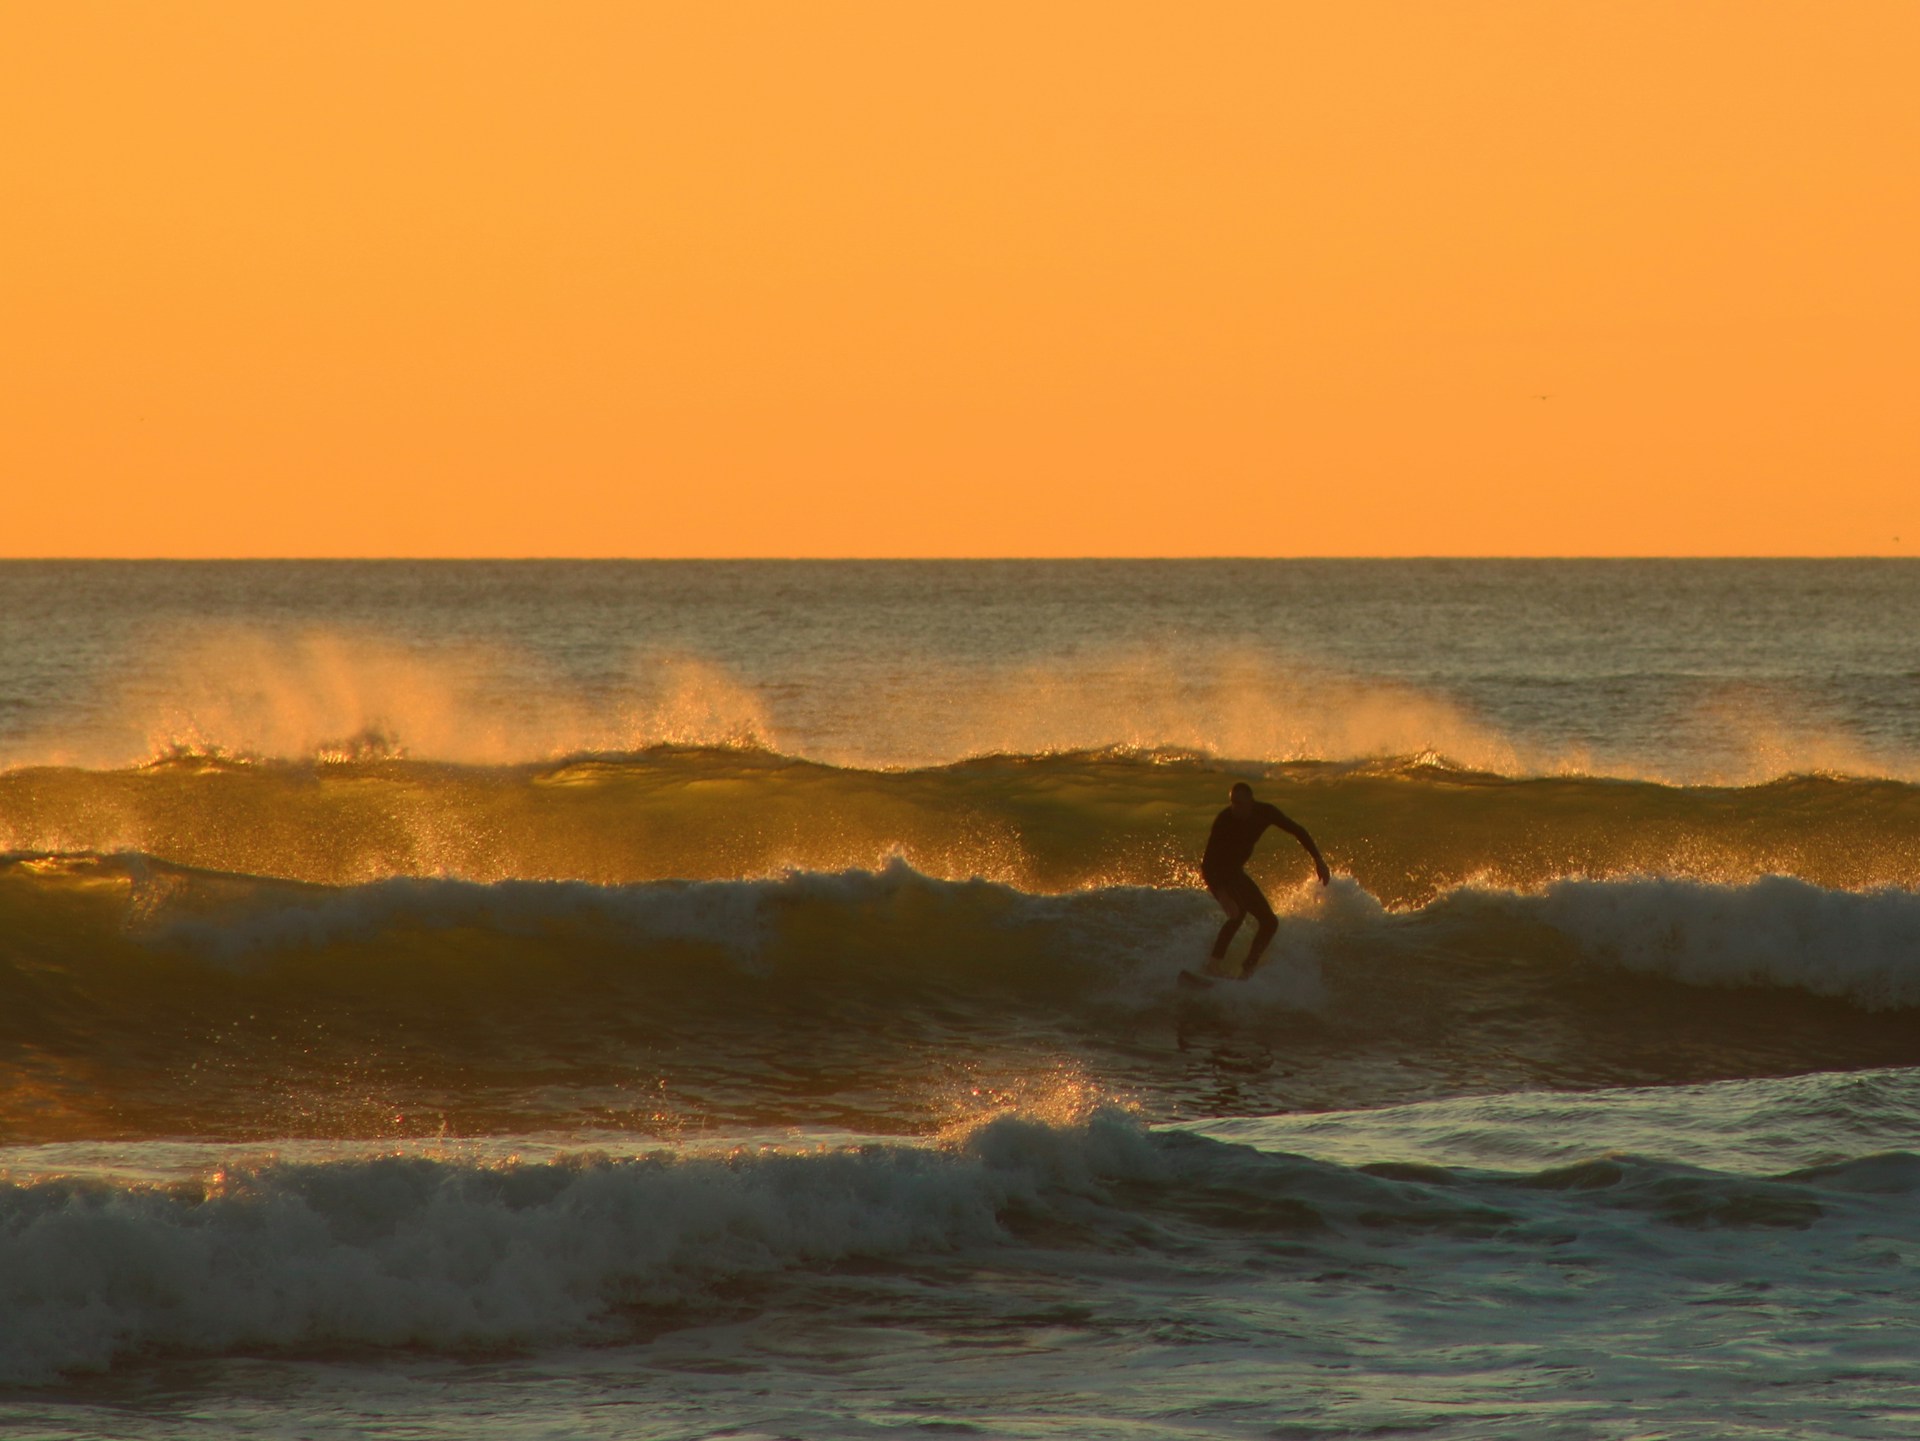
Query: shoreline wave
(451,1256)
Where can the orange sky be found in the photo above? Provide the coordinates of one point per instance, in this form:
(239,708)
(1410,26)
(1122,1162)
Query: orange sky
(897,278)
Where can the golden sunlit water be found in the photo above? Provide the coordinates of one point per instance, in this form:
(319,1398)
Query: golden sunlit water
(486,999)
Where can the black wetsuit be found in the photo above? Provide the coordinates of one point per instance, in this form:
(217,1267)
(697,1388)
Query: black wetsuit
(1230,846)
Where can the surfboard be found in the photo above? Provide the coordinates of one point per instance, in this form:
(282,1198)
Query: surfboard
(1203,980)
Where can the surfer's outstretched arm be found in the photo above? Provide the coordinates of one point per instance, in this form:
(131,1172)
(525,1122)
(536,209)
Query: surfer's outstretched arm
(1299,833)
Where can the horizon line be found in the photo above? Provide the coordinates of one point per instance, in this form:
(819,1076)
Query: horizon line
(392,559)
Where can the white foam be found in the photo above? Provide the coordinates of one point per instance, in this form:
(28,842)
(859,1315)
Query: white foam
(1776,931)
(1860,1121)
(412,1250)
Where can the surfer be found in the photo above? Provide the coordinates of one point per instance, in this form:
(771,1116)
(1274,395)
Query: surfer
(1224,868)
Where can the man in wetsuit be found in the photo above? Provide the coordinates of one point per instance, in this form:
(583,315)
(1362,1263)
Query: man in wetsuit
(1224,868)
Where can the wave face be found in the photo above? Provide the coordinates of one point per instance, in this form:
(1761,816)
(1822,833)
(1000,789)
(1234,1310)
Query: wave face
(1406,830)
(142,999)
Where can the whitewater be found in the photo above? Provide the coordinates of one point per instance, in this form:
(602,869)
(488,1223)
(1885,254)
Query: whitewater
(488,999)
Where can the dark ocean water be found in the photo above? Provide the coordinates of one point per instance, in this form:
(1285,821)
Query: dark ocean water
(684,999)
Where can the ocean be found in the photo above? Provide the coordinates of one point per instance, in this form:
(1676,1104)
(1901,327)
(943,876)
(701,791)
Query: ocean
(685,999)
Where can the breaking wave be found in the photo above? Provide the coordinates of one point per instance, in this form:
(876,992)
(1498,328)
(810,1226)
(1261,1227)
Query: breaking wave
(896,928)
(140,996)
(425,1250)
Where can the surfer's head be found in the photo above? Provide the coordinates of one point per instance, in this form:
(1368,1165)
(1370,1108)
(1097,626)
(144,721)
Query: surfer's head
(1241,797)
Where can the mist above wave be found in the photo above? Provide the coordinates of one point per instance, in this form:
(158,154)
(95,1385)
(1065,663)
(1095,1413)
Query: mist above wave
(331,696)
